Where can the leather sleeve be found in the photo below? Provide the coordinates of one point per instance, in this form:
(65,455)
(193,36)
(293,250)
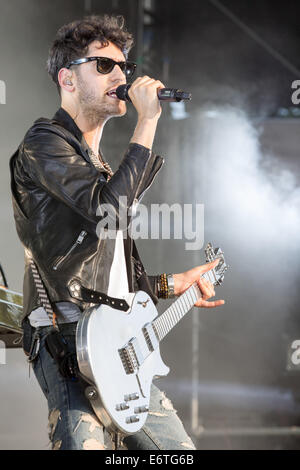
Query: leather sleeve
(153,283)
(55,165)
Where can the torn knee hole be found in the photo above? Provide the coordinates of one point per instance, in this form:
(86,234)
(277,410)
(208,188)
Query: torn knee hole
(57,445)
(167,404)
(156,413)
(187,445)
(54,416)
(93,444)
(86,418)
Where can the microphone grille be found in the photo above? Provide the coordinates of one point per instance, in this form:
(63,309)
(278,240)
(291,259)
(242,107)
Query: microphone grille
(121,92)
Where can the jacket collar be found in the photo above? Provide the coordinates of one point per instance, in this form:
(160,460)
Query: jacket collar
(65,120)
(68,123)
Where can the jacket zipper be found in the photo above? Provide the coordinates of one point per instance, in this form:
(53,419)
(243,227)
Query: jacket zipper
(79,240)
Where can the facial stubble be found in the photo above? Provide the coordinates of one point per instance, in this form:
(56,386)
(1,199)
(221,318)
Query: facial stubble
(95,108)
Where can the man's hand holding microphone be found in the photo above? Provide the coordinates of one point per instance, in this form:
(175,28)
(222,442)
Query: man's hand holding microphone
(143,95)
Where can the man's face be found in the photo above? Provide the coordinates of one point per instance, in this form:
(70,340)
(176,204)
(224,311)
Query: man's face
(93,87)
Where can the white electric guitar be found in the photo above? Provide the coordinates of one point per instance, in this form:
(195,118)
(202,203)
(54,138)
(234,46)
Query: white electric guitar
(118,352)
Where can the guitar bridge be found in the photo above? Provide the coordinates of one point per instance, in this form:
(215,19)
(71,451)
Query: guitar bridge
(131,356)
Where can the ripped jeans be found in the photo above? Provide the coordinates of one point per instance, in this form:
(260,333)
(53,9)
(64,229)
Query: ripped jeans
(73,424)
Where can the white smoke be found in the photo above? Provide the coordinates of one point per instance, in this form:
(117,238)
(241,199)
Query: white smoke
(252,212)
(262,205)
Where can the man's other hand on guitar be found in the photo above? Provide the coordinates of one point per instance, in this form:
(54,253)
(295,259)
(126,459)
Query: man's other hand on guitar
(184,280)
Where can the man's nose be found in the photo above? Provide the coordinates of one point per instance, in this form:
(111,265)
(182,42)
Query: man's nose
(117,72)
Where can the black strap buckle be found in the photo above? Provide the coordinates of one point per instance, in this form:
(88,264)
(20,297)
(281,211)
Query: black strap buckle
(35,347)
(77,291)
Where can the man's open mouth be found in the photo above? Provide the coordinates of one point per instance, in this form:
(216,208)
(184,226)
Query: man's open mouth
(112,94)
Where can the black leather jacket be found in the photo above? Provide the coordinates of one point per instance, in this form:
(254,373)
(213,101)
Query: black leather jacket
(56,191)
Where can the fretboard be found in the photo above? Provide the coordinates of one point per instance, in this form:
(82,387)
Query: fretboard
(167,320)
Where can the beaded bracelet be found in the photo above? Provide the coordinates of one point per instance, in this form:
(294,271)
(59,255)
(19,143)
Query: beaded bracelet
(165,284)
(164,292)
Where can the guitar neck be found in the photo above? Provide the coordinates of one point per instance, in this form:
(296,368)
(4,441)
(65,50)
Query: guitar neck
(167,320)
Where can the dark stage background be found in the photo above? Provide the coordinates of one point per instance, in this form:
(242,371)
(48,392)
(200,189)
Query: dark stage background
(233,148)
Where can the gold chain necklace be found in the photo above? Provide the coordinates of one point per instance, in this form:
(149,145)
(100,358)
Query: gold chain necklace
(100,164)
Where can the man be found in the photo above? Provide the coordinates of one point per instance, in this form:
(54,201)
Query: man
(59,180)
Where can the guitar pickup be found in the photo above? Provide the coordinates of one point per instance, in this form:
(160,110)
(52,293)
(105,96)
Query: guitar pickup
(150,336)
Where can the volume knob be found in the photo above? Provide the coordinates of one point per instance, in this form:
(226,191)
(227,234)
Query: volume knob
(132,419)
(131,396)
(141,409)
(122,406)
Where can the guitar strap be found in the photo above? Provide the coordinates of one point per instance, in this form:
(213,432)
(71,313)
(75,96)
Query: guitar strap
(55,343)
(76,290)
(42,293)
(79,292)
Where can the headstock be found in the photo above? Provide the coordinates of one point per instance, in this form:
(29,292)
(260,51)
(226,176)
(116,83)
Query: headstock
(216,275)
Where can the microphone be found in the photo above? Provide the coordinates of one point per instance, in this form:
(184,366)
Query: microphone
(164,94)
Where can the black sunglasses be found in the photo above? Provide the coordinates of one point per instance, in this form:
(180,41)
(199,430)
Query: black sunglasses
(105,65)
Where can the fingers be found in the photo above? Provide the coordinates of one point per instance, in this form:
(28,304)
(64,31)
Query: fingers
(207,288)
(143,95)
(146,80)
(211,304)
(208,266)
(145,84)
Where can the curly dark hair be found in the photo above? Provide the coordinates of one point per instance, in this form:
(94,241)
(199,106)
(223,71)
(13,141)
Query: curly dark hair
(73,39)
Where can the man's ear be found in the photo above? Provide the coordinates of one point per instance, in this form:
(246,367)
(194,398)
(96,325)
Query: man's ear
(65,79)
